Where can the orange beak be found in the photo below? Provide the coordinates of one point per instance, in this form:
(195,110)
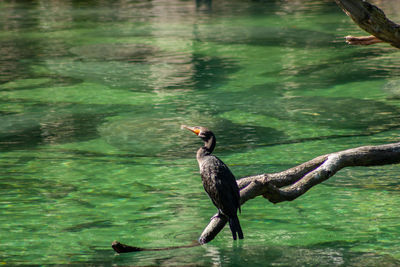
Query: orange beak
(192,129)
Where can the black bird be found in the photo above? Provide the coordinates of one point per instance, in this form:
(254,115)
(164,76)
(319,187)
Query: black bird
(218,180)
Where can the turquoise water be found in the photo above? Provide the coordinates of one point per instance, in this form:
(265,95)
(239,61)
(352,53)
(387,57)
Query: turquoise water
(92,95)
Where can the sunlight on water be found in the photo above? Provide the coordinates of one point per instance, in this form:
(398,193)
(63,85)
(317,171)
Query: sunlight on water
(92,96)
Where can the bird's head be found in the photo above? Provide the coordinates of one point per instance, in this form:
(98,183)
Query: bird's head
(202,132)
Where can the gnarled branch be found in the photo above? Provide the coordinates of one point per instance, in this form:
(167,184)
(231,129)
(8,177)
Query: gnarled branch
(373,20)
(292,183)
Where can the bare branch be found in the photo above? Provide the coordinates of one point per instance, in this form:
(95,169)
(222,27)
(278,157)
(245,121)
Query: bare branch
(362,40)
(292,183)
(213,228)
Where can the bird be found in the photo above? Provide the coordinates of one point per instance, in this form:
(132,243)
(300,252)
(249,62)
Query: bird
(218,181)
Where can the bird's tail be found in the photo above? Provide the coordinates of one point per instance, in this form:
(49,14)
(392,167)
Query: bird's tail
(234,224)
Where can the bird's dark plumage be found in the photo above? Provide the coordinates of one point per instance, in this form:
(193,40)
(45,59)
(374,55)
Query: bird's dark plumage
(218,181)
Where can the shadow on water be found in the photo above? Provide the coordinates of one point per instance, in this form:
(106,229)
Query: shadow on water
(337,113)
(87,225)
(18,51)
(29,130)
(267,36)
(38,81)
(135,53)
(359,66)
(177,70)
(147,137)
(32,190)
(210,72)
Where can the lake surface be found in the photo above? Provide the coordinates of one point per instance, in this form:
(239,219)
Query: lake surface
(92,96)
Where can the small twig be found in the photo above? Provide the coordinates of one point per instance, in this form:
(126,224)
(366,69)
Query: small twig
(362,40)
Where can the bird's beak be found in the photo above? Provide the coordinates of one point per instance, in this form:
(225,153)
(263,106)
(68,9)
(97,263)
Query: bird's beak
(192,129)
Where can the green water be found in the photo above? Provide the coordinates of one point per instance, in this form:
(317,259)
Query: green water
(92,95)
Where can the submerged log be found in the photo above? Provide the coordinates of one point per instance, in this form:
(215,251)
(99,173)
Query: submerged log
(373,20)
(123,248)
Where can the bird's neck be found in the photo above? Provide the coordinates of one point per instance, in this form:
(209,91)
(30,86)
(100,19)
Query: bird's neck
(207,149)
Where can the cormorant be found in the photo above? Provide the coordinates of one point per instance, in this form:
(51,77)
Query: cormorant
(218,180)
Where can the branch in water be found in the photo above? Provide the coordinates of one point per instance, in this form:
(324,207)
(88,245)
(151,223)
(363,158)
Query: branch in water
(122,248)
(292,183)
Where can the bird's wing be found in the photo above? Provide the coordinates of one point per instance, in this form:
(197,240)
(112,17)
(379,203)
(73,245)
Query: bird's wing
(229,184)
(221,186)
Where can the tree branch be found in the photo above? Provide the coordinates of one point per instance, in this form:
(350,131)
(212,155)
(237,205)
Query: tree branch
(362,40)
(373,20)
(292,183)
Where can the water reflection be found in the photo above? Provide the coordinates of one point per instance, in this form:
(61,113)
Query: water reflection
(92,97)
(214,254)
(33,129)
(204,5)
(142,137)
(135,53)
